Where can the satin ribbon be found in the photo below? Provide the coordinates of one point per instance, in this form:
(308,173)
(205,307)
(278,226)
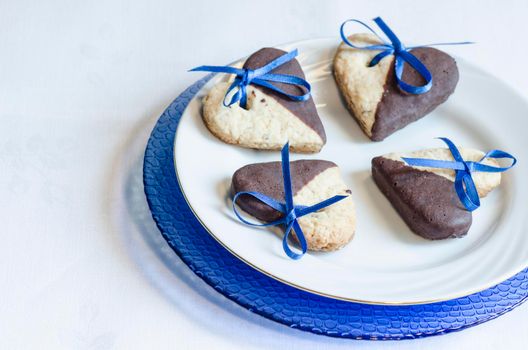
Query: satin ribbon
(401,55)
(464,184)
(260,76)
(291,211)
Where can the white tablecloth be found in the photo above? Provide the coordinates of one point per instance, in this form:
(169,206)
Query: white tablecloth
(82,84)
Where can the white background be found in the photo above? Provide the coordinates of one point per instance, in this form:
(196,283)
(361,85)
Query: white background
(81,86)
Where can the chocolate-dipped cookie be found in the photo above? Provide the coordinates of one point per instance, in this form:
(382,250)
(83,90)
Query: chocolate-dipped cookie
(425,197)
(270,118)
(312,182)
(372,94)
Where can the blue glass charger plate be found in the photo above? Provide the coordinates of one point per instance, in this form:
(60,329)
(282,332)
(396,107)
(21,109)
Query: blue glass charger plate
(282,303)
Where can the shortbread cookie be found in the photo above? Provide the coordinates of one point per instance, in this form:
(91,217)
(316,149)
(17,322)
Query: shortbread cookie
(312,182)
(372,94)
(425,197)
(271,119)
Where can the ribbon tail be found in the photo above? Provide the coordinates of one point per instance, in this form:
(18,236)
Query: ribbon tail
(279,61)
(285,162)
(218,69)
(454,150)
(316,207)
(443,44)
(434,163)
(396,43)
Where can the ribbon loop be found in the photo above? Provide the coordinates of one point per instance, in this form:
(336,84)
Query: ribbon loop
(262,77)
(401,54)
(291,211)
(464,185)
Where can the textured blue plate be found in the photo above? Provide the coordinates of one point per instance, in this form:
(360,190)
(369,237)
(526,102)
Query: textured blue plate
(282,303)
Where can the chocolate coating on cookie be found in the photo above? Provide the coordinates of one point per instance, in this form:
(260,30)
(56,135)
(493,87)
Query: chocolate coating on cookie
(267,179)
(427,202)
(304,110)
(397,108)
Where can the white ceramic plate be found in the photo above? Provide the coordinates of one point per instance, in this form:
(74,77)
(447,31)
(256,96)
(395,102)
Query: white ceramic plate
(385,262)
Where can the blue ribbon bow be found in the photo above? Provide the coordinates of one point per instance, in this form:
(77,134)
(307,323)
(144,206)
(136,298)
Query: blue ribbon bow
(464,185)
(260,76)
(401,54)
(291,211)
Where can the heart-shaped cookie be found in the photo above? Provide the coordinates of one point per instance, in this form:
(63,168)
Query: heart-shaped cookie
(312,182)
(270,119)
(425,197)
(372,94)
